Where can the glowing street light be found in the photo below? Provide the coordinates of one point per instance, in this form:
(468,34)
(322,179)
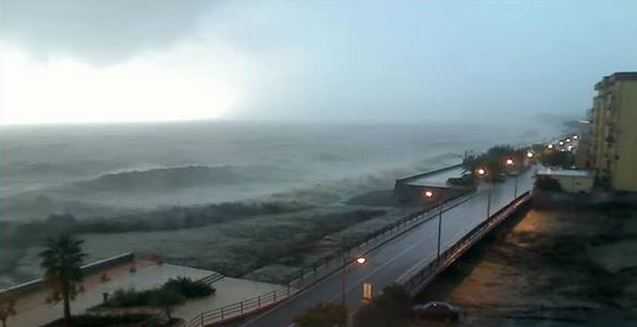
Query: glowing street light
(361,260)
(511,163)
(530,154)
(550,146)
(483,172)
(429,195)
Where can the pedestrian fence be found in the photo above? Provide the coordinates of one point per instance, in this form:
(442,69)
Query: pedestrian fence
(419,277)
(308,276)
(240,309)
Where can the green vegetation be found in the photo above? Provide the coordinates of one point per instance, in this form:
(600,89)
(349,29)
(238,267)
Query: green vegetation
(323,315)
(189,288)
(167,299)
(494,161)
(110,321)
(162,219)
(173,292)
(554,158)
(287,244)
(62,261)
(391,309)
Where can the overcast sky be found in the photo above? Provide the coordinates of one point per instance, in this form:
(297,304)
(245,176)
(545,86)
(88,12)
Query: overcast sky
(161,60)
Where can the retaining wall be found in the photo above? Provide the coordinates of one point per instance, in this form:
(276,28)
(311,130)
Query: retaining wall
(89,268)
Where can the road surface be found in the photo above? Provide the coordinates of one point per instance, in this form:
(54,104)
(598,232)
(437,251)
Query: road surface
(387,263)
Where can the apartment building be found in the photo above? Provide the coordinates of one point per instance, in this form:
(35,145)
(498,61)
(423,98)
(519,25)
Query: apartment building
(613,152)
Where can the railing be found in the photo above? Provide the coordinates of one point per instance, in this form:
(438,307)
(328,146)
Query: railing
(421,277)
(212,278)
(238,310)
(323,268)
(308,276)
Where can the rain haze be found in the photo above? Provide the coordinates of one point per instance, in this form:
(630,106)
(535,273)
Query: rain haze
(111,61)
(256,138)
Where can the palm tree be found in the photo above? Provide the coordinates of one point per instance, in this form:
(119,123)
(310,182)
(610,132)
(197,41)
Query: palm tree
(62,260)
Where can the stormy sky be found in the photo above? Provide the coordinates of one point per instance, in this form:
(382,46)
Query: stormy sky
(403,61)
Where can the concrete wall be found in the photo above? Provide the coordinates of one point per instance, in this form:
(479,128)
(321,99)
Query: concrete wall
(408,193)
(624,171)
(614,142)
(575,184)
(86,269)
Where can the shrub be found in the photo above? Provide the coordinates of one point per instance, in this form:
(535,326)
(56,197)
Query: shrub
(189,288)
(181,286)
(166,300)
(129,298)
(323,315)
(103,321)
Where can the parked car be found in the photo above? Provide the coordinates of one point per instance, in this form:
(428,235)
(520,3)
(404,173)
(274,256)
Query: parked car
(437,311)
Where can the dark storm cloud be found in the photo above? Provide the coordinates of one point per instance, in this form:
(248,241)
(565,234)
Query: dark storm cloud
(98,31)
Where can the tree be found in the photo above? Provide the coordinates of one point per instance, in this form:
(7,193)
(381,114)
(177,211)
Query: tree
(558,159)
(62,261)
(494,161)
(7,309)
(323,315)
(166,300)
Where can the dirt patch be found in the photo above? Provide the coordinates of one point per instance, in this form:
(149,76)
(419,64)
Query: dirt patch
(549,268)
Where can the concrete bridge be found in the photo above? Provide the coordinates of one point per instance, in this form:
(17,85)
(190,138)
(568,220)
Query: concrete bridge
(407,253)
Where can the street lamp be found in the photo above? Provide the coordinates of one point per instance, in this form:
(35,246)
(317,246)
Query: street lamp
(482,172)
(430,195)
(511,163)
(550,146)
(530,154)
(361,260)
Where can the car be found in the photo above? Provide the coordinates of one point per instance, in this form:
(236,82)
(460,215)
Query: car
(437,311)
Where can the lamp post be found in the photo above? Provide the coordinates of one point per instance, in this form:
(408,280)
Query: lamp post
(482,172)
(511,163)
(430,195)
(361,260)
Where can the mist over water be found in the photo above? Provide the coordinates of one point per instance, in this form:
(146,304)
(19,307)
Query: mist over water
(93,169)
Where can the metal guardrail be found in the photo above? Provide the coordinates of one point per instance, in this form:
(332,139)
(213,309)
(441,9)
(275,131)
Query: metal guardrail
(416,281)
(212,278)
(239,309)
(311,275)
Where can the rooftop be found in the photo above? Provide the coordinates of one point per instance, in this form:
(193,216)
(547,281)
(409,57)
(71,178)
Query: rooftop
(619,76)
(565,172)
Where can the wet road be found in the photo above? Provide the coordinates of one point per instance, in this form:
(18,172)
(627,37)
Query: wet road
(386,264)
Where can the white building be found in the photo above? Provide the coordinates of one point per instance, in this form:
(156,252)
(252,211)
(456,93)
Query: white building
(571,181)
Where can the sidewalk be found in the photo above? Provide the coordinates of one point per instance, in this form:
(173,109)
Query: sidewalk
(32,309)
